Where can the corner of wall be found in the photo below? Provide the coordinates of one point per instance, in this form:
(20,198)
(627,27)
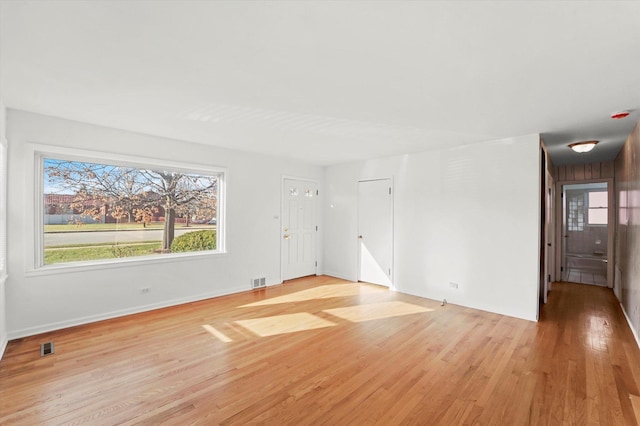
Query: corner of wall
(4,339)
(3,277)
(435,242)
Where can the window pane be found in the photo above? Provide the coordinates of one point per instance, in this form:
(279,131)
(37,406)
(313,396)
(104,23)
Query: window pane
(575,216)
(598,199)
(597,216)
(94,211)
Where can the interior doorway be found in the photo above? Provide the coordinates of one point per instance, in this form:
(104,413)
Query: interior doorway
(375,231)
(586,245)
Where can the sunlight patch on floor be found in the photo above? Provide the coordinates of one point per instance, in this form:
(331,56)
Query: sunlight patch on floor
(320,292)
(216,333)
(374,311)
(282,324)
(635,404)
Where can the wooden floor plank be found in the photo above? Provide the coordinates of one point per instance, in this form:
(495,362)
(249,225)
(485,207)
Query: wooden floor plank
(320,350)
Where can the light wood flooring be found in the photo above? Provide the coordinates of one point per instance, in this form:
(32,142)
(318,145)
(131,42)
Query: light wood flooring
(324,351)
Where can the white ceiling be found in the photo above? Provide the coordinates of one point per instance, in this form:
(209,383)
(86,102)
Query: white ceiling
(330,82)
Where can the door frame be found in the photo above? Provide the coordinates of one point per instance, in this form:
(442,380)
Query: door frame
(611,217)
(393,240)
(547,227)
(281,225)
(550,237)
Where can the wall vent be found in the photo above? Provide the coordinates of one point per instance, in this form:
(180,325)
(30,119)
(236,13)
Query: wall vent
(258,282)
(46,349)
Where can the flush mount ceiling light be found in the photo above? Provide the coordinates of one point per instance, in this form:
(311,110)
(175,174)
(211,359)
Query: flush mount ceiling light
(582,147)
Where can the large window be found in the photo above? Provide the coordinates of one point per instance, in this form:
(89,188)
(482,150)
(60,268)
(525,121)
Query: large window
(94,210)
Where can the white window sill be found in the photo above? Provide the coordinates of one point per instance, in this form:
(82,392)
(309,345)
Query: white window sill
(72,267)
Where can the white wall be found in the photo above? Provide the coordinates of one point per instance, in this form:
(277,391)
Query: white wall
(3,319)
(37,302)
(627,253)
(468,215)
(3,303)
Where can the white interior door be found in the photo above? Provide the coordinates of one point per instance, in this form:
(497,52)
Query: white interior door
(375,231)
(299,229)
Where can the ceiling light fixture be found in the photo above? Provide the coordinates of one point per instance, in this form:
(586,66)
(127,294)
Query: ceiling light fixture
(583,147)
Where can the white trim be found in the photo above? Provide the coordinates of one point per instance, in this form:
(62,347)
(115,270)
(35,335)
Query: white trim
(92,265)
(339,276)
(633,330)
(304,179)
(121,160)
(375,178)
(35,233)
(31,331)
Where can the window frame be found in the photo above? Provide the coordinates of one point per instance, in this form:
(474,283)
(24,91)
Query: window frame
(589,208)
(37,266)
(586,209)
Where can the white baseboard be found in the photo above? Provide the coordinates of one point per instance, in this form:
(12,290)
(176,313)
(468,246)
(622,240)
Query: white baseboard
(31,331)
(633,330)
(337,275)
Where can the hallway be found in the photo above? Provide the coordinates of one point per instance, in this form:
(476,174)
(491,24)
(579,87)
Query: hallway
(592,366)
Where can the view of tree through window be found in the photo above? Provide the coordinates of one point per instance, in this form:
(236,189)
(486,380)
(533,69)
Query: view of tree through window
(98,211)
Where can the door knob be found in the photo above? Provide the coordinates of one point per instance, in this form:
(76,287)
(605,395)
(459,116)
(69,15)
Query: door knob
(359,237)
(286,237)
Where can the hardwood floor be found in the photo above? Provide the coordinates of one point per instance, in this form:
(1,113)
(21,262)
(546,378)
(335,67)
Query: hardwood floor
(324,351)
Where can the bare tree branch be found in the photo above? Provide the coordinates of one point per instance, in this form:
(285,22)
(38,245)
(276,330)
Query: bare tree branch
(102,190)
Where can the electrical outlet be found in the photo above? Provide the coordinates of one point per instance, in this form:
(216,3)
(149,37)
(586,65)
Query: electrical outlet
(453,285)
(145,290)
